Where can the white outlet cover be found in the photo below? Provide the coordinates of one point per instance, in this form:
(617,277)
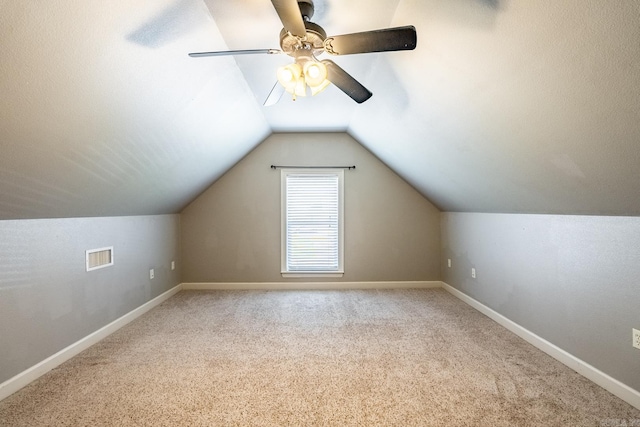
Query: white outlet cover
(449,262)
(151,274)
(173,265)
(636,338)
(473,272)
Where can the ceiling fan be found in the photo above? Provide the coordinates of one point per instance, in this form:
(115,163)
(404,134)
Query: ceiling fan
(304,40)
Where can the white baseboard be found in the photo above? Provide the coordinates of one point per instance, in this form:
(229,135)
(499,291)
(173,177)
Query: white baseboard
(14,384)
(310,285)
(615,387)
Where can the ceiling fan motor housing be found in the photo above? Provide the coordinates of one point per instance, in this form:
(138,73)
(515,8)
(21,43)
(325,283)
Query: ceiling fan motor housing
(313,42)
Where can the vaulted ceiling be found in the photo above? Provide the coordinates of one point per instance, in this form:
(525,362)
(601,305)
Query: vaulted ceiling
(504,106)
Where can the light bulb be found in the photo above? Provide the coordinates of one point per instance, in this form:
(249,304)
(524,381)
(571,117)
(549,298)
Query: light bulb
(315,73)
(289,75)
(286,75)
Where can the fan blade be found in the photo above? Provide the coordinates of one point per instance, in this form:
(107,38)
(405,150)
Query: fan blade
(289,13)
(388,39)
(274,96)
(346,83)
(235,52)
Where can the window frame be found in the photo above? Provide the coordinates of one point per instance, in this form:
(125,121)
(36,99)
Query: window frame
(284,173)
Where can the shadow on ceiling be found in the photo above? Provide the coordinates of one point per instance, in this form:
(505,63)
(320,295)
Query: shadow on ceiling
(480,14)
(173,22)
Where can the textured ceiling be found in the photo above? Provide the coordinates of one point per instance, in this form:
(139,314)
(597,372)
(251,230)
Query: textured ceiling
(504,106)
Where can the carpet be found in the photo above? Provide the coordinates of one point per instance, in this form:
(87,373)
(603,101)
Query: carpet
(345,357)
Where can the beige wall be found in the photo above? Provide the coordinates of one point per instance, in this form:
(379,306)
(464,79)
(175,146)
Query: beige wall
(231,233)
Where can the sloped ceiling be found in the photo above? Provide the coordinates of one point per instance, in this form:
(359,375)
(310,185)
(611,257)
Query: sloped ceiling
(103,113)
(514,106)
(504,106)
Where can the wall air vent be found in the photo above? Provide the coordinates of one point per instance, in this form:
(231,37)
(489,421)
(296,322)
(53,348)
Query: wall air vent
(99,258)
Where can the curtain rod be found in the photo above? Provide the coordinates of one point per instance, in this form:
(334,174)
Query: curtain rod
(313,167)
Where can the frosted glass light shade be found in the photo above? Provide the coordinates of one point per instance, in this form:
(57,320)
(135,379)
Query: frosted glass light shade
(289,76)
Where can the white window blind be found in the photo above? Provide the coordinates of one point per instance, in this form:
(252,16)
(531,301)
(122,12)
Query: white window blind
(312,222)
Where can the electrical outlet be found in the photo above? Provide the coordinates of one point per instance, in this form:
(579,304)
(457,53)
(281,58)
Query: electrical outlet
(449,262)
(173,265)
(473,273)
(152,274)
(636,338)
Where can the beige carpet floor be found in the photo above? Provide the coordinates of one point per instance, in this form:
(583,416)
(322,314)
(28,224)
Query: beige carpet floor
(276,358)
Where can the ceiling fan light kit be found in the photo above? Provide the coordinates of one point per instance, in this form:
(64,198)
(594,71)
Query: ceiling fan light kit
(306,74)
(304,40)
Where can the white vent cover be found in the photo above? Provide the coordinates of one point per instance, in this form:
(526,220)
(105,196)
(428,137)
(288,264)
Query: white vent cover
(99,258)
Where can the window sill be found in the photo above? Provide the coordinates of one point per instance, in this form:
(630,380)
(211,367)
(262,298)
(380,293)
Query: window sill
(299,274)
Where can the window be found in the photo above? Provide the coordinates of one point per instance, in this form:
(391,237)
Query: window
(312,222)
